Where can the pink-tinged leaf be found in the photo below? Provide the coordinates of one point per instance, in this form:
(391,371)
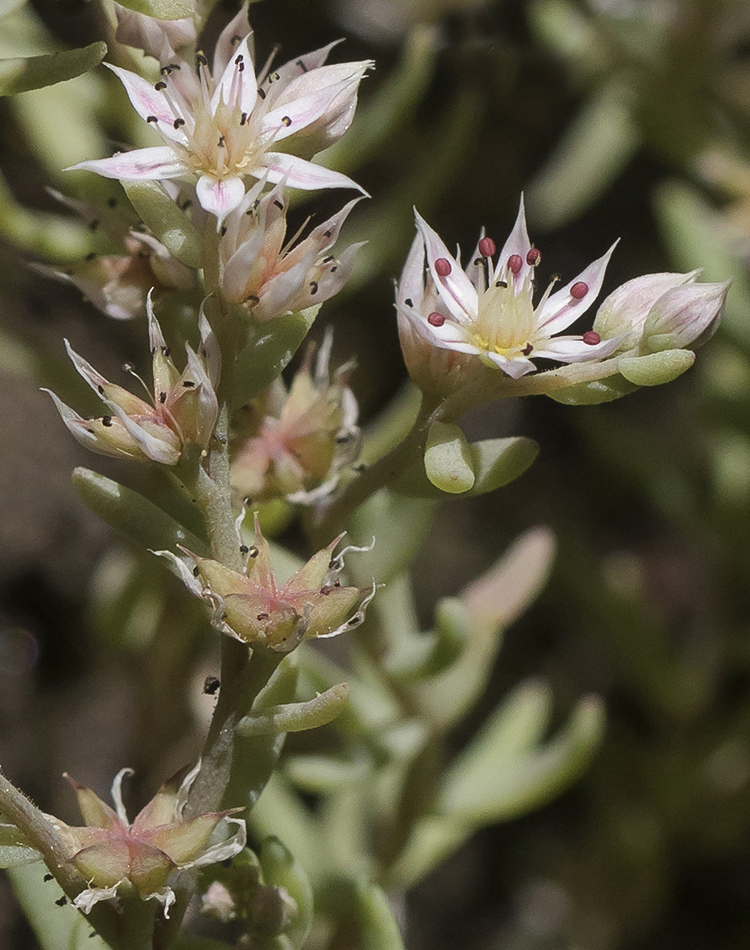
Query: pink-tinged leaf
(238,85)
(455,288)
(150,104)
(518,243)
(148,164)
(219,197)
(572,349)
(562,309)
(299,173)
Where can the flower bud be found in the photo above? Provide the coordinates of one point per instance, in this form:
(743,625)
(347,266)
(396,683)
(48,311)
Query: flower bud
(296,441)
(685,316)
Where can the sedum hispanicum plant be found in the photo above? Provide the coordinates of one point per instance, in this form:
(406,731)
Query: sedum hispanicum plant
(231,443)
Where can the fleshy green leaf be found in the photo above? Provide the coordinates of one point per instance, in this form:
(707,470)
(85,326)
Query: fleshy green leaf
(15,851)
(280,869)
(296,717)
(162,9)
(447,459)
(433,653)
(131,514)
(378,927)
(486,784)
(656,368)
(22,74)
(594,393)
(167,220)
(269,351)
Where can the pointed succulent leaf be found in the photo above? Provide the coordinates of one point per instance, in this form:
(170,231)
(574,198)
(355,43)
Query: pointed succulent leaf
(169,223)
(497,462)
(482,788)
(656,368)
(22,74)
(280,869)
(131,514)
(296,717)
(15,850)
(447,459)
(594,393)
(374,916)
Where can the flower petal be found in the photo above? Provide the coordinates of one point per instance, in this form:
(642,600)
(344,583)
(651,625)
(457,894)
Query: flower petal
(147,164)
(456,290)
(299,173)
(238,85)
(150,104)
(518,243)
(561,308)
(572,349)
(515,367)
(221,196)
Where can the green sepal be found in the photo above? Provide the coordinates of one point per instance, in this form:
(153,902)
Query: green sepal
(296,717)
(595,392)
(447,459)
(494,464)
(162,9)
(169,223)
(20,74)
(269,350)
(656,368)
(280,869)
(131,514)
(499,777)
(15,851)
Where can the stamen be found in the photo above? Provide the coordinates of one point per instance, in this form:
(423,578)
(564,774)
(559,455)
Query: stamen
(443,267)
(106,421)
(487,247)
(502,283)
(285,120)
(243,118)
(160,85)
(152,118)
(177,123)
(527,349)
(591,338)
(533,257)
(313,287)
(515,263)
(409,302)
(436,319)
(579,290)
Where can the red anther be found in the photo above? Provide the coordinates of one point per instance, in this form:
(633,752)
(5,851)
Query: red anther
(487,247)
(591,337)
(533,257)
(579,290)
(515,263)
(436,319)
(443,267)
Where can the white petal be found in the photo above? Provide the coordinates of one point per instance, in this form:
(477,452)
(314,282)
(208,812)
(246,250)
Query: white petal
(158,450)
(561,309)
(92,376)
(209,349)
(572,349)
(225,849)
(80,429)
(219,197)
(117,795)
(515,368)
(148,164)
(92,895)
(518,243)
(411,285)
(238,85)
(299,173)
(455,289)
(150,103)
(230,38)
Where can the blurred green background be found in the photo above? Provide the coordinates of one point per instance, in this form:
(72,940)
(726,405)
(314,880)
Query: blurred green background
(618,118)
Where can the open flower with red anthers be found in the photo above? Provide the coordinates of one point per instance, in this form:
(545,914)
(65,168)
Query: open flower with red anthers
(295,442)
(487,309)
(118,858)
(183,410)
(228,124)
(256,608)
(273,275)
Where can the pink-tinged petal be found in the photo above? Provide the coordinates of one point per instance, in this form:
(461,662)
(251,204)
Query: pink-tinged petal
(562,308)
(158,38)
(411,285)
(92,376)
(158,450)
(286,291)
(94,811)
(518,243)
(238,267)
(303,65)
(238,85)
(455,288)
(148,164)
(80,428)
(325,235)
(627,307)
(331,281)
(219,197)
(516,367)
(209,349)
(150,104)
(237,30)
(299,173)
(572,349)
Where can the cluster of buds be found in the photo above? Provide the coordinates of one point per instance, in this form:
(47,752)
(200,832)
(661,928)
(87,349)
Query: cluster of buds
(256,608)
(295,442)
(118,284)
(226,124)
(487,311)
(183,409)
(118,859)
(270,275)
